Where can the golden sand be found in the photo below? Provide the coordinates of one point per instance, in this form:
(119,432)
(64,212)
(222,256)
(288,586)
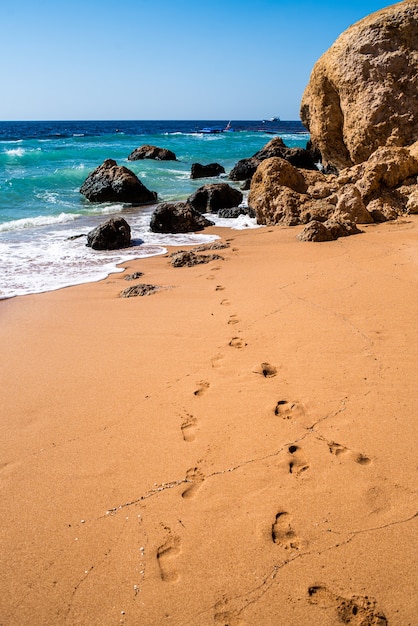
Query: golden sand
(239,449)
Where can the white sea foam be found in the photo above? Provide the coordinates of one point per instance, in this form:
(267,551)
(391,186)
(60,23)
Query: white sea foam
(15,152)
(41,220)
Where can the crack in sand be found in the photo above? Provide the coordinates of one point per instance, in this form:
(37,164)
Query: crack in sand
(269,579)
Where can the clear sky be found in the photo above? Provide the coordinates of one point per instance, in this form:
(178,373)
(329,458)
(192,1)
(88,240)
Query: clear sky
(164,59)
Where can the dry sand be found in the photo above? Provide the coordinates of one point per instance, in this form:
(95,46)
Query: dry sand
(237,449)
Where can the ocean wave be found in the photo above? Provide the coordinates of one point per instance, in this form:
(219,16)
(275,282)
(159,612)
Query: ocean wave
(40,220)
(15,152)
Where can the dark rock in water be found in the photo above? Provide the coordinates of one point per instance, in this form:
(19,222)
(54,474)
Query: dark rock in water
(244,169)
(152,152)
(112,235)
(139,290)
(177,217)
(111,182)
(204,171)
(236,212)
(188,258)
(210,198)
(299,157)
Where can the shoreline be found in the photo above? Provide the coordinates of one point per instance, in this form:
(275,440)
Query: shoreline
(235,449)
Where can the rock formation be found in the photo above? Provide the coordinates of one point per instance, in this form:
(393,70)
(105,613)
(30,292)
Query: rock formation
(204,171)
(111,182)
(112,235)
(245,168)
(177,217)
(152,152)
(362,91)
(383,187)
(210,198)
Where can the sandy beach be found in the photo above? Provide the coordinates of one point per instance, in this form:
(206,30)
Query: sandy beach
(236,449)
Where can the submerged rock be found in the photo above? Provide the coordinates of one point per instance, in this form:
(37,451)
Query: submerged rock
(152,152)
(206,171)
(362,91)
(112,235)
(177,217)
(111,182)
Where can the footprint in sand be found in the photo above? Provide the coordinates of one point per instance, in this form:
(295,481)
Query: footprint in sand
(225,616)
(296,460)
(289,410)
(216,361)
(202,387)
(355,610)
(266,370)
(225,302)
(233,320)
(338,450)
(194,478)
(188,428)
(282,532)
(237,342)
(219,288)
(165,557)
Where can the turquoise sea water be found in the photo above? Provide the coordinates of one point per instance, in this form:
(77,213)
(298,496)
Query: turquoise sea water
(43,165)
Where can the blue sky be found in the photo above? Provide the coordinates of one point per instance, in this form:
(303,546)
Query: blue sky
(164,59)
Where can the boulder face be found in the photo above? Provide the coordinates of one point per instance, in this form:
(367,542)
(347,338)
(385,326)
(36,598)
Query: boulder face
(210,198)
(111,182)
(112,235)
(362,91)
(299,157)
(382,188)
(177,217)
(152,152)
(203,171)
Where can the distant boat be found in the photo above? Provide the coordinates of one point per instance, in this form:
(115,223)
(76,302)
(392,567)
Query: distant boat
(274,119)
(214,130)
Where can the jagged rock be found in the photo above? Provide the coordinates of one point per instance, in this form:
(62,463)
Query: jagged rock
(206,171)
(350,204)
(188,258)
(236,212)
(210,198)
(134,276)
(139,290)
(152,152)
(381,188)
(111,182)
(177,217)
(215,245)
(412,203)
(330,230)
(245,168)
(112,235)
(362,91)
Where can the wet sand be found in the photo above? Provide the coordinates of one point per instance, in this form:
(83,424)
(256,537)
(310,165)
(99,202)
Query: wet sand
(236,449)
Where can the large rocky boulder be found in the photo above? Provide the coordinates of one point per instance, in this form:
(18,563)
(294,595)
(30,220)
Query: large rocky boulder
(177,217)
(362,91)
(111,182)
(299,157)
(383,187)
(204,171)
(152,152)
(115,233)
(210,198)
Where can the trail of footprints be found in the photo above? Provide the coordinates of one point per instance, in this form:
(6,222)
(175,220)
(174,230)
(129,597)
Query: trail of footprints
(354,610)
